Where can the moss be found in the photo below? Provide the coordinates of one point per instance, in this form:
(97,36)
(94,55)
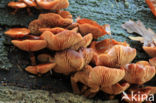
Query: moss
(20,95)
(4,61)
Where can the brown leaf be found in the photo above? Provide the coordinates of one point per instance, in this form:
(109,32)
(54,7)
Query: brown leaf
(138,27)
(138,38)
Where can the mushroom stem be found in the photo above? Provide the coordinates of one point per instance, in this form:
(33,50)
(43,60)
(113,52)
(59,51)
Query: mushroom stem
(111,97)
(15,11)
(29,12)
(32,58)
(84,88)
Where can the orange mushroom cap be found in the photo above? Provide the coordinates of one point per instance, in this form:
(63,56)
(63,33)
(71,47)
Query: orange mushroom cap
(88,21)
(55,20)
(139,73)
(49,20)
(62,40)
(40,69)
(30,3)
(17,5)
(30,45)
(53,4)
(68,61)
(96,79)
(89,26)
(112,53)
(151,51)
(17,32)
(152,5)
(104,76)
(102,46)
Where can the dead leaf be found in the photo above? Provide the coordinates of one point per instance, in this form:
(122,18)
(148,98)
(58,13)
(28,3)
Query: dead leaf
(138,38)
(138,27)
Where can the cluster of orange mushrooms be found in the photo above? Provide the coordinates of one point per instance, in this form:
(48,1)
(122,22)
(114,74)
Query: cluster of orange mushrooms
(39,4)
(99,65)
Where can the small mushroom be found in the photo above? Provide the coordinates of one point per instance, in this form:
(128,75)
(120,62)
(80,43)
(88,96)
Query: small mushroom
(112,53)
(96,78)
(22,4)
(33,43)
(30,3)
(139,73)
(62,40)
(49,20)
(17,32)
(40,69)
(44,4)
(69,61)
(89,26)
(151,51)
(55,20)
(16,5)
(30,45)
(53,4)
